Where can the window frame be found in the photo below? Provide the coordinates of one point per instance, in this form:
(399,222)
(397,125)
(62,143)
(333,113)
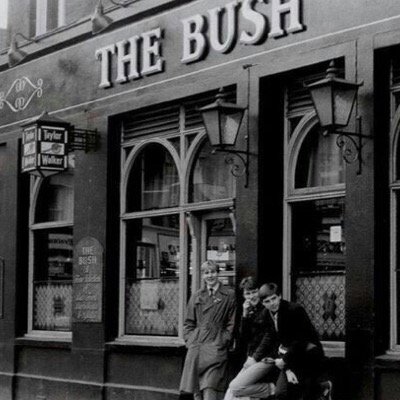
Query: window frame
(293,142)
(36,184)
(185,159)
(394,185)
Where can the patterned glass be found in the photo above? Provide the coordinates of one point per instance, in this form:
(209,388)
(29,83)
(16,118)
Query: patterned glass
(323,297)
(152,275)
(52,285)
(319,262)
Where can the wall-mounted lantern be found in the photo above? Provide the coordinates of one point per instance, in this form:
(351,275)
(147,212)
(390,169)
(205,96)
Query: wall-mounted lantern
(100,21)
(334,100)
(46,142)
(15,54)
(222,122)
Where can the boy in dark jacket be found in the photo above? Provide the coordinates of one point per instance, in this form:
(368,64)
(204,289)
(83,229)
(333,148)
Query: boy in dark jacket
(293,352)
(252,327)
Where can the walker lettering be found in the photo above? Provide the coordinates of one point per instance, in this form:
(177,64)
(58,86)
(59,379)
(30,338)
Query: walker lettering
(247,22)
(51,161)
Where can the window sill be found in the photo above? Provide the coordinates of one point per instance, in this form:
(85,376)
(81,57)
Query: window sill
(48,340)
(390,360)
(334,349)
(147,344)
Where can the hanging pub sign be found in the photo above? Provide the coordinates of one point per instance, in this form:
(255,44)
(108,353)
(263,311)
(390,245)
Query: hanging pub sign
(44,145)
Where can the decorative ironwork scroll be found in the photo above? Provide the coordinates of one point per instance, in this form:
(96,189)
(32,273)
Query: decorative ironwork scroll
(21,93)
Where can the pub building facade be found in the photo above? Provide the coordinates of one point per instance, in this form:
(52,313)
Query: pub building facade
(111,193)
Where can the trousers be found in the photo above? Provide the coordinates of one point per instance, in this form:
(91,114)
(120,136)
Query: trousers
(255,381)
(208,394)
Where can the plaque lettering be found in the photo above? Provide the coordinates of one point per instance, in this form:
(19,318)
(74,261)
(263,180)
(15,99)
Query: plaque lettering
(88,281)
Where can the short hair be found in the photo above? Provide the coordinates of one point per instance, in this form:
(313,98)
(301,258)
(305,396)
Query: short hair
(268,289)
(248,283)
(209,265)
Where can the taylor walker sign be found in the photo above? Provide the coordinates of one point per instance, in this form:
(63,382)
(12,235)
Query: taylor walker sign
(44,145)
(220,29)
(44,149)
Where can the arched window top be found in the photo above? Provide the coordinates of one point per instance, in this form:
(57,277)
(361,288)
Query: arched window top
(319,162)
(55,201)
(153,182)
(210,177)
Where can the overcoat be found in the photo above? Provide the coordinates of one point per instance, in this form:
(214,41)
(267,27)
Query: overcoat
(208,332)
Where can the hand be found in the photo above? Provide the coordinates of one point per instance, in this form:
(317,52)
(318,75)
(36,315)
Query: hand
(279,363)
(268,360)
(249,362)
(291,377)
(246,307)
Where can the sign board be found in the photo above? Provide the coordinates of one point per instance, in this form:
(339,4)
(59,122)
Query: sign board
(88,281)
(241,22)
(44,149)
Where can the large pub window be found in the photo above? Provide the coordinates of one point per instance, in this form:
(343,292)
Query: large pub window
(177,202)
(51,248)
(395,207)
(315,228)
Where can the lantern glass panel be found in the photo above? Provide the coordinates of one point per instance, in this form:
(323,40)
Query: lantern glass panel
(211,122)
(230,123)
(322,98)
(343,105)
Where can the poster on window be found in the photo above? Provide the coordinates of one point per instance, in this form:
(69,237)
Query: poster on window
(149,295)
(169,253)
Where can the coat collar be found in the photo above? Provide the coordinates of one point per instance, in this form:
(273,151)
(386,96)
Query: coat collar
(222,291)
(204,298)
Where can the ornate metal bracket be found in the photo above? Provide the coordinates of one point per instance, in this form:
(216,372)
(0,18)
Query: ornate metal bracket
(83,139)
(350,144)
(239,161)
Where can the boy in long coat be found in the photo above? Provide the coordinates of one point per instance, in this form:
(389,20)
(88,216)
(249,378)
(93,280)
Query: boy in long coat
(208,332)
